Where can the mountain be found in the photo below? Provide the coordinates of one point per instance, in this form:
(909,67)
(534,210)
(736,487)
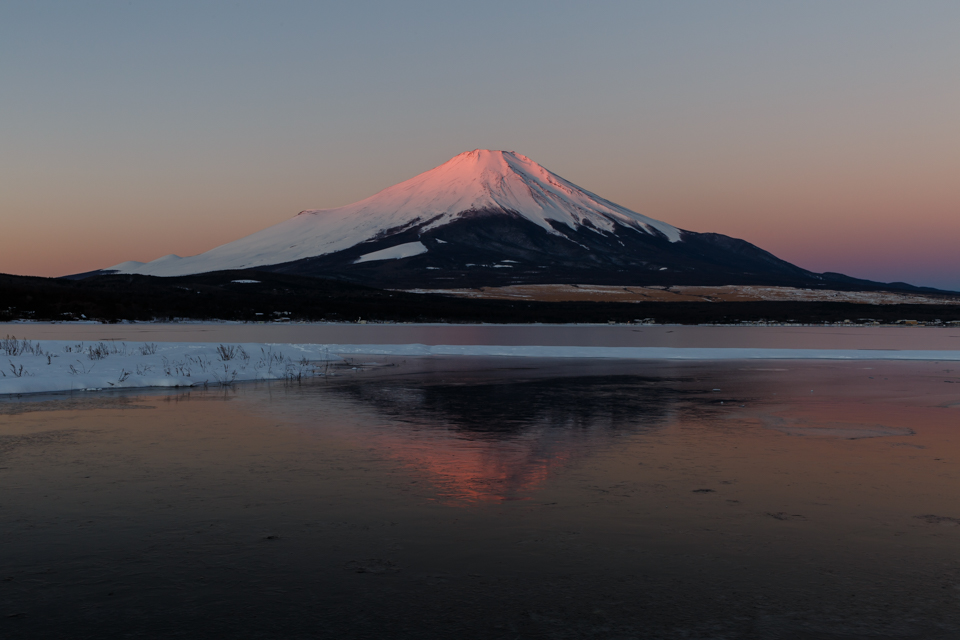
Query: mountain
(487,218)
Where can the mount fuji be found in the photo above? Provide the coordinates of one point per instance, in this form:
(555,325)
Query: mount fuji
(491,218)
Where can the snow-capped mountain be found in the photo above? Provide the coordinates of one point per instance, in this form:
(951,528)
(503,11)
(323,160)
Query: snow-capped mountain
(486,218)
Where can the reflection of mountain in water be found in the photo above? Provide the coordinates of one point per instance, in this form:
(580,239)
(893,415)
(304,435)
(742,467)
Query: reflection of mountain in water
(498,440)
(502,410)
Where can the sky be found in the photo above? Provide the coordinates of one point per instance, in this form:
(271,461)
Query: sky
(825,132)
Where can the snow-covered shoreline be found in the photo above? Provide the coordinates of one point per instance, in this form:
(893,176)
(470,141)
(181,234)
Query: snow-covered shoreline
(67,365)
(42,366)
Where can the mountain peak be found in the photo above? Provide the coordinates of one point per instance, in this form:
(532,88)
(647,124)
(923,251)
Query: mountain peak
(485,165)
(482,180)
(481,154)
(485,162)
(490,180)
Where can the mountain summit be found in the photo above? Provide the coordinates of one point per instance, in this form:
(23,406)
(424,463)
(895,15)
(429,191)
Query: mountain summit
(487,218)
(478,180)
(483,180)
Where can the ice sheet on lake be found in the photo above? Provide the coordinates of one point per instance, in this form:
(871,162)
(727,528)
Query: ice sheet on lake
(642,353)
(60,365)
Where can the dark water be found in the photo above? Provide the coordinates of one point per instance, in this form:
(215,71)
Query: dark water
(475,498)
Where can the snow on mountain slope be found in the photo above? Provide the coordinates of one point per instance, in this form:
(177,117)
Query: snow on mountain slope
(472,181)
(407,250)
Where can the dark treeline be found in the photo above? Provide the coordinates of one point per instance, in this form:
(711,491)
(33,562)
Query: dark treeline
(112,298)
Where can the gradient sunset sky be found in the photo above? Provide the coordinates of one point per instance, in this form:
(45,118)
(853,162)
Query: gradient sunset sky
(826,132)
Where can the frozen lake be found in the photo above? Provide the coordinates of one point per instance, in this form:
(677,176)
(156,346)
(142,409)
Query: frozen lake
(492,498)
(932,338)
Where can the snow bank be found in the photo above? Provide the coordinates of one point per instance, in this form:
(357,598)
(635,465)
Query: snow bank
(60,365)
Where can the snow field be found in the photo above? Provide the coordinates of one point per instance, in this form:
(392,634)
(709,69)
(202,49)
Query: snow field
(62,365)
(407,250)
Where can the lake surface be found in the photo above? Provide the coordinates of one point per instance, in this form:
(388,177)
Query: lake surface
(933,338)
(486,498)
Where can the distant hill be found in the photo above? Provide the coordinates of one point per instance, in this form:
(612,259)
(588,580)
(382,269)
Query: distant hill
(251,295)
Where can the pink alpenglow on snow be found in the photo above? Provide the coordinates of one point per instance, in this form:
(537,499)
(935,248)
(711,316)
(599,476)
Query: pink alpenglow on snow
(472,181)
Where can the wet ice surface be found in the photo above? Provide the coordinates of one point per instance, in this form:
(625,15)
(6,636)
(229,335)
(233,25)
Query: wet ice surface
(491,498)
